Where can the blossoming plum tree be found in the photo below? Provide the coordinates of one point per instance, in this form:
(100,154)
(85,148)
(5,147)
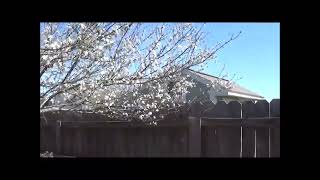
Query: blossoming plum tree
(121,69)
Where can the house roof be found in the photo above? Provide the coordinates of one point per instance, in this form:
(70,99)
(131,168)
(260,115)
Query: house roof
(235,90)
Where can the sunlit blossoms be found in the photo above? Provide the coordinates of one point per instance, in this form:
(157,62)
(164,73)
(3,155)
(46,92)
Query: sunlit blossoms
(121,69)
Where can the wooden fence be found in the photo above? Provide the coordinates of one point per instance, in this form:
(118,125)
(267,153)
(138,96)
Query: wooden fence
(221,130)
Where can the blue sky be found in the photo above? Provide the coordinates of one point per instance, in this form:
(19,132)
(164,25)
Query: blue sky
(254,55)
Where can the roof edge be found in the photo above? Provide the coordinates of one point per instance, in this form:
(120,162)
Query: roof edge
(207,74)
(247,94)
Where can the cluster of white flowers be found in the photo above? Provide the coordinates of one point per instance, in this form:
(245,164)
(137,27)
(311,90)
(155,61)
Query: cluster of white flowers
(118,66)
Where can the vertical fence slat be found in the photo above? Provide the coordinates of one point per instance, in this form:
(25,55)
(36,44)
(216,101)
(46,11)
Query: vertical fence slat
(115,142)
(50,138)
(72,143)
(87,147)
(213,143)
(64,140)
(140,142)
(58,137)
(81,141)
(93,140)
(186,142)
(144,133)
(86,143)
(42,138)
(262,138)
(75,142)
(78,142)
(99,142)
(248,142)
(275,132)
(248,133)
(226,139)
(111,142)
(119,142)
(204,143)
(161,141)
(130,144)
(194,137)
(210,146)
(150,142)
(176,141)
(262,134)
(164,143)
(233,139)
(107,149)
(209,143)
(157,141)
(250,110)
(181,138)
(135,142)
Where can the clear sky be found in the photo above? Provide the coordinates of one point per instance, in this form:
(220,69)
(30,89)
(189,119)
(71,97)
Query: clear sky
(254,55)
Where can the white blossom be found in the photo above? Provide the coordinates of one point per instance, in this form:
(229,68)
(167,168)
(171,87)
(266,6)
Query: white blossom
(108,65)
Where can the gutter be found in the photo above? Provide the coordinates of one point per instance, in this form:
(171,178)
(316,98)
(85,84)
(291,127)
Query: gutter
(230,93)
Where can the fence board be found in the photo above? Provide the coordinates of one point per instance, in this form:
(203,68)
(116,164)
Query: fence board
(92,141)
(78,144)
(111,143)
(174,137)
(74,144)
(210,144)
(275,132)
(164,143)
(140,142)
(126,142)
(182,142)
(248,133)
(250,110)
(115,142)
(50,138)
(130,139)
(262,134)
(195,137)
(86,143)
(67,140)
(102,142)
(148,142)
(262,138)
(123,142)
(228,139)
(157,139)
(248,142)
(42,139)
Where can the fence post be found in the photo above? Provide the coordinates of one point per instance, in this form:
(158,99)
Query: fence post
(194,137)
(58,137)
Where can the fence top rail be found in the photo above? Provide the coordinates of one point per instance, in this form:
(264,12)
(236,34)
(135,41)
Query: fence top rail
(246,122)
(121,124)
(242,119)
